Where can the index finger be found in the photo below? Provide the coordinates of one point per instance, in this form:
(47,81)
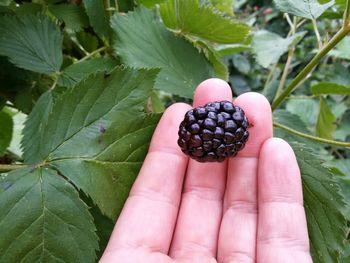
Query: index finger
(149,214)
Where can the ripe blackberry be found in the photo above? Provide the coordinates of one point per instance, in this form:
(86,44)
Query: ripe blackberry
(213,132)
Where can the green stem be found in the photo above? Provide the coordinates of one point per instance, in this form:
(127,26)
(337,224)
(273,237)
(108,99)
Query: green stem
(301,97)
(347,15)
(116,6)
(285,71)
(93,53)
(317,33)
(314,138)
(10,167)
(310,66)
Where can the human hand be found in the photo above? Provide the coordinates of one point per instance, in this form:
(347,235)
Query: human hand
(247,209)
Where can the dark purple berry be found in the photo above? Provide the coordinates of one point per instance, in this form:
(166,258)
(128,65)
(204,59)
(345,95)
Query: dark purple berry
(200,112)
(213,132)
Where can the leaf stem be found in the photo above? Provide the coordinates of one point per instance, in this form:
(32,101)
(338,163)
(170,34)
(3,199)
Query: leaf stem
(317,33)
(310,66)
(93,53)
(308,136)
(293,28)
(10,167)
(285,71)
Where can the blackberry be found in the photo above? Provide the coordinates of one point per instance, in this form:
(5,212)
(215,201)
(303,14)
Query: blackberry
(213,132)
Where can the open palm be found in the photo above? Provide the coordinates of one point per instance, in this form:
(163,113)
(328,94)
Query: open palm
(247,209)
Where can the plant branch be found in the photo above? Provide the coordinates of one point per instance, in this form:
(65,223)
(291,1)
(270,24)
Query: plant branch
(10,167)
(310,66)
(314,138)
(347,15)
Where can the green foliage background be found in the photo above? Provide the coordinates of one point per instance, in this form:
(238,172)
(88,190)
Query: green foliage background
(83,84)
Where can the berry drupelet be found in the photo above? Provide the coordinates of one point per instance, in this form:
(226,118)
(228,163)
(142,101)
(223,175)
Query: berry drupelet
(213,132)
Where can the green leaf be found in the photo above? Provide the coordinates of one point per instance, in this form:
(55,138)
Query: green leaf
(225,6)
(77,72)
(104,225)
(294,121)
(31,42)
(268,47)
(18,124)
(325,126)
(72,15)
(88,41)
(310,9)
(330,88)
(324,205)
(230,49)
(189,18)
(98,16)
(142,41)
(6,124)
(342,49)
(213,56)
(25,9)
(343,129)
(96,134)
(42,219)
(306,109)
(34,127)
(155,104)
(150,3)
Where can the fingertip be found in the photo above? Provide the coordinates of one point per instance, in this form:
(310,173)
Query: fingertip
(279,175)
(258,111)
(254,98)
(213,89)
(165,135)
(285,151)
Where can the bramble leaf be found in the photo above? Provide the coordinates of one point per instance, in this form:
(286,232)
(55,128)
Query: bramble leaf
(330,88)
(325,126)
(188,17)
(182,66)
(96,134)
(77,72)
(33,129)
(268,47)
(31,42)
(6,124)
(72,15)
(310,9)
(342,49)
(98,17)
(324,205)
(43,219)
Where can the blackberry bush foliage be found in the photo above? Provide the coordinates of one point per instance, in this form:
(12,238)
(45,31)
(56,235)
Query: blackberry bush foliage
(83,84)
